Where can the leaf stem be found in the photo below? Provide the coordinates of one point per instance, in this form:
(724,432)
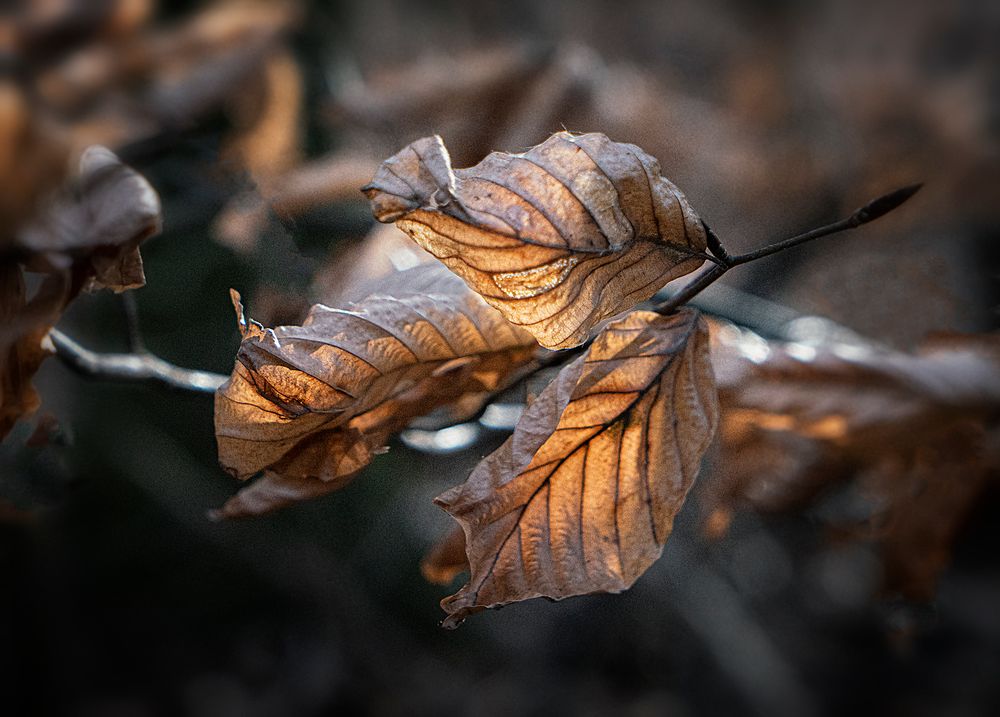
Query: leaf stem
(869,212)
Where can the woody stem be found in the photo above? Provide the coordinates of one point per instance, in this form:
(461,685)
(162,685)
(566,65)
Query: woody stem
(724,261)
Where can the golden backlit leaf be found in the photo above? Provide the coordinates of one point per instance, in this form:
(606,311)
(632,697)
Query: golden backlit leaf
(312,404)
(582,497)
(558,238)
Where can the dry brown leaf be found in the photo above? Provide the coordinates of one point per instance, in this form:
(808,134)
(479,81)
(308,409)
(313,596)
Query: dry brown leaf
(420,95)
(32,160)
(557,238)
(304,188)
(582,497)
(908,434)
(312,404)
(268,122)
(852,394)
(87,237)
(921,498)
(97,224)
(447,559)
(24,324)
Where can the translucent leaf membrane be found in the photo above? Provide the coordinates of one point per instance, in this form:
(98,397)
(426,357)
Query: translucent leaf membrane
(311,405)
(582,497)
(557,238)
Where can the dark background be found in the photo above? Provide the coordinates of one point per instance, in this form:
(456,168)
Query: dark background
(119,597)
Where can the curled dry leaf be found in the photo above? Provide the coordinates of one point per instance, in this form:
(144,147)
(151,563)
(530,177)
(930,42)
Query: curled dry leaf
(582,497)
(312,404)
(96,224)
(557,238)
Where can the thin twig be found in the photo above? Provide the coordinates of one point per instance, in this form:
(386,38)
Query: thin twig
(869,212)
(133,367)
(135,342)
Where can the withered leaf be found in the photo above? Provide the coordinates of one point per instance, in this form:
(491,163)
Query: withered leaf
(312,404)
(32,160)
(558,238)
(582,497)
(851,394)
(24,324)
(446,559)
(97,224)
(907,435)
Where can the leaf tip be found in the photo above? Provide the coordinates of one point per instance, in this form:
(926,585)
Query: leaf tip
(457,614)
(247,327)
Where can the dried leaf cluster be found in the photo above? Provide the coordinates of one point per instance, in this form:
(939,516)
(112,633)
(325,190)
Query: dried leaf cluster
(92,75)
(582,497)
(546,245)
(886,447)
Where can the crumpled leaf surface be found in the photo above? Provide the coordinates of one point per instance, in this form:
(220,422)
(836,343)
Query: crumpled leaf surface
(96,224)
(558,238)
(312,404)
(910,441)
(582,497)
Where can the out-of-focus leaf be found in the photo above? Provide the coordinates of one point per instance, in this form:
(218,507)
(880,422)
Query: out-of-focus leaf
(447,559)
(269,122)
(851,394)
(316,402)
(558,238)
(23,327)
(582,497)
(32,160)
(86,237)
(97,224)
(420,96)
(921,498)
(909,434)
(350,271)
(304,188)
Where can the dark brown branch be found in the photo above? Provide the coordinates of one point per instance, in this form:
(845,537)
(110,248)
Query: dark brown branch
(133,367)
(724,261)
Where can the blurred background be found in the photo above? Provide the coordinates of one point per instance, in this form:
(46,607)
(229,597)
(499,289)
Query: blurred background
(257,123)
